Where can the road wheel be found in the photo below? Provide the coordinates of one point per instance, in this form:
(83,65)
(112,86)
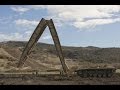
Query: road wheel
(94,75)
(104,75)
(84,75)
(99,75)
(90,75)
(109,75)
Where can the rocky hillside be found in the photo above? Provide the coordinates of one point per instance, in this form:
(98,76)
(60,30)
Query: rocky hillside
(90,53)
(44,56)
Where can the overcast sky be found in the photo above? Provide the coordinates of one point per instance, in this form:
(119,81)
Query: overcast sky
(77,25)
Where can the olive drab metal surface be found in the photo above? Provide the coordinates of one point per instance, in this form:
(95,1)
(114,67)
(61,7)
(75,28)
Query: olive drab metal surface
(57,43)
(35,37)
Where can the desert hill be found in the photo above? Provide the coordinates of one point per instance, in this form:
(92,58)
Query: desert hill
(44,56)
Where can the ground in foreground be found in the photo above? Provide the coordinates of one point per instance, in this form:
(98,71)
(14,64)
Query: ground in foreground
(54,80)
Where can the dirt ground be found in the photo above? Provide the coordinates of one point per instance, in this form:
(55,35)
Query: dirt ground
(51,80)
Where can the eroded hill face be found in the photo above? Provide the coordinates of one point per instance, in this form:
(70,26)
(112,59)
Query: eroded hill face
(7,61)
(39,59)
(44,56)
